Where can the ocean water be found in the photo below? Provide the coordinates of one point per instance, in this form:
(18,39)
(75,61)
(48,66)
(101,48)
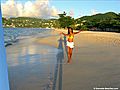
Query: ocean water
(12,35)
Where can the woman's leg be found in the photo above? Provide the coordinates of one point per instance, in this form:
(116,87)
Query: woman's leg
(68,54)
(71,49)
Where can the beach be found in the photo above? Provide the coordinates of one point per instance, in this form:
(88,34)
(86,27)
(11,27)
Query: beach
(95,62)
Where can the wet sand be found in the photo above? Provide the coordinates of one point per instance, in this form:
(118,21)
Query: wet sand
(95,62)
(31,65)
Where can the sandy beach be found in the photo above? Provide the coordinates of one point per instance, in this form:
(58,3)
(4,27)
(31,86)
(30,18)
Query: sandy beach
(95,62)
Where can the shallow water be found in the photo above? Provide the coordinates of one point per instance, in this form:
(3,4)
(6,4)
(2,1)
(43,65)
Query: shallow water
(12,35)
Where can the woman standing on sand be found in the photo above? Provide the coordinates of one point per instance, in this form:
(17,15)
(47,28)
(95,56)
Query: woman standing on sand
(70,43)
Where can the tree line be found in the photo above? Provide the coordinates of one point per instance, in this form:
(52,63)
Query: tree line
(109,21)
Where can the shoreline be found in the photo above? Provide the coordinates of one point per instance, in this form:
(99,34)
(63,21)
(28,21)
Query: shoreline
(99,33)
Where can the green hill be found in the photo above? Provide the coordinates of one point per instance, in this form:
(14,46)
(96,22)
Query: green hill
(29,22)
(107,21)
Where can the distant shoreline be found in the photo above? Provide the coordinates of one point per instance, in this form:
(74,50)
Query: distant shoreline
(62,29)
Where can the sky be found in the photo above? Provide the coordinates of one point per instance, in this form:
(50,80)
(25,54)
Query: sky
(51,8)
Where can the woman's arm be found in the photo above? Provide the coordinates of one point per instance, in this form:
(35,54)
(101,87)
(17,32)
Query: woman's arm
(77,32)
(64,34)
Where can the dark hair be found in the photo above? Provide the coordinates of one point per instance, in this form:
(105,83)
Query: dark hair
(71,29)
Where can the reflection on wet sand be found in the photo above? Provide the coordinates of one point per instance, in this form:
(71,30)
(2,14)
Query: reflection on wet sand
(29,67)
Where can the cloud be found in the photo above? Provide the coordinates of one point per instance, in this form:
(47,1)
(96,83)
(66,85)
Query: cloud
(38,8)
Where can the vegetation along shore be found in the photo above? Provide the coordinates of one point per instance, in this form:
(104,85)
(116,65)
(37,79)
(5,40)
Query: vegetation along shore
(109,21)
